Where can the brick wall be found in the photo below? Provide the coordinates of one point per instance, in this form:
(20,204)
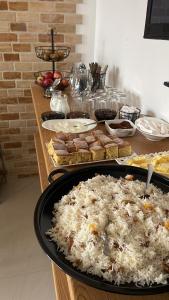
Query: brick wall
(24,25)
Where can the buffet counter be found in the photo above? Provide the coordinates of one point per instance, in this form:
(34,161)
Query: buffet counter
(67,288)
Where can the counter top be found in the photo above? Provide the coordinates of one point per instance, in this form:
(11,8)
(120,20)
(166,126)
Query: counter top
(67,288)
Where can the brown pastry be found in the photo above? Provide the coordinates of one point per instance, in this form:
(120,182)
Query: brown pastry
(85,155)
(90,139)
(71,136)
(74,158)
(118,141)
(98,132)
(58,141)
(57,146)
(111,150)
(124,149)
(83,135)
(71,146)
(81,145)
(96,143)
(104,139)
(98,152)
(61,136)
(78,139)
(61,157)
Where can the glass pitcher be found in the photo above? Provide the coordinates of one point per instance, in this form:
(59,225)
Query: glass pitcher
(59,103)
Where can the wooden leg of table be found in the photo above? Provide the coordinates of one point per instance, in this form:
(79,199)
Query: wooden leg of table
(60,283)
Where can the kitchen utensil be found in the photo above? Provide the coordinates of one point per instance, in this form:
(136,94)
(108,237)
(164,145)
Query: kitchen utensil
(43,216)
(149,175)
(89,124)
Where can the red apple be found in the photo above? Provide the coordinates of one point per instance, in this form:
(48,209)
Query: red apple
(49,75)
(47,82)
(57,75)
(65,82)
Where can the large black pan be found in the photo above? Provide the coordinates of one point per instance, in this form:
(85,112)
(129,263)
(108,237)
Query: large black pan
(43,216)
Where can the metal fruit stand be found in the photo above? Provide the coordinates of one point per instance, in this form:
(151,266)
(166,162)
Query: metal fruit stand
(52,53)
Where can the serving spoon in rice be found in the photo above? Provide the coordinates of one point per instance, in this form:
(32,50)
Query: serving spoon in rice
(149,175)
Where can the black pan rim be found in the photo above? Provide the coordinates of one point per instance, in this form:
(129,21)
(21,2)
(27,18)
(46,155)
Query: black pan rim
(82,276)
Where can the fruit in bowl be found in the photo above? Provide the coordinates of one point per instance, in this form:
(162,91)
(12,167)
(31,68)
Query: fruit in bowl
(47,78)
(57,75)
(64,83)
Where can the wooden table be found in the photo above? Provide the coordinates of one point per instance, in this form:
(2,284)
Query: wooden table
(67,288)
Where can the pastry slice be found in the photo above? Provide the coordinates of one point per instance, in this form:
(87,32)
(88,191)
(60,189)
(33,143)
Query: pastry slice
(80,145)
(85,155)
(78,139)
(61,136)
(50,147)
(90,139)
(104,139)
(98,152)
(124,149)
(111,150)
(118,141)
(71,146)
(59,141)
(96,143)
(62,157)
(58,145)
(71,136)
(82,136)
(74,158)
(97,132)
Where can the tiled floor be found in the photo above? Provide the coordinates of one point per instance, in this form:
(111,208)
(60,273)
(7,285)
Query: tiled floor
(25,271)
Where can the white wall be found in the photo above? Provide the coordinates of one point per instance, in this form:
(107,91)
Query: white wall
(135,64)
(87,29)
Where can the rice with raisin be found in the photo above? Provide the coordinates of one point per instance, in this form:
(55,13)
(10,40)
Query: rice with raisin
(136,228)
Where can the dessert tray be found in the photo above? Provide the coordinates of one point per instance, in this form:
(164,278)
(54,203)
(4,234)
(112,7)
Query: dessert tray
(69,150)
(81,163)
(160,161)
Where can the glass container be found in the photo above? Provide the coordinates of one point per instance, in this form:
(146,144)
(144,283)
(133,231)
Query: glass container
(59,103)
(78,109)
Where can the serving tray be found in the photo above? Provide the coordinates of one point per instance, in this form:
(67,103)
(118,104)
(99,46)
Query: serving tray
(85,163)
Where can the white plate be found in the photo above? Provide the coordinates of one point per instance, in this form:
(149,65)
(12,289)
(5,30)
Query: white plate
(148,132)
(69,125)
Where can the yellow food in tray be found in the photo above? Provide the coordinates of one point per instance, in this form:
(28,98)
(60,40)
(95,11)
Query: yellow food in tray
(139,161)
(160,162)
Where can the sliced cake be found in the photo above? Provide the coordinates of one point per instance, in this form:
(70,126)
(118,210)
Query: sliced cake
(98,152)
(111,150)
